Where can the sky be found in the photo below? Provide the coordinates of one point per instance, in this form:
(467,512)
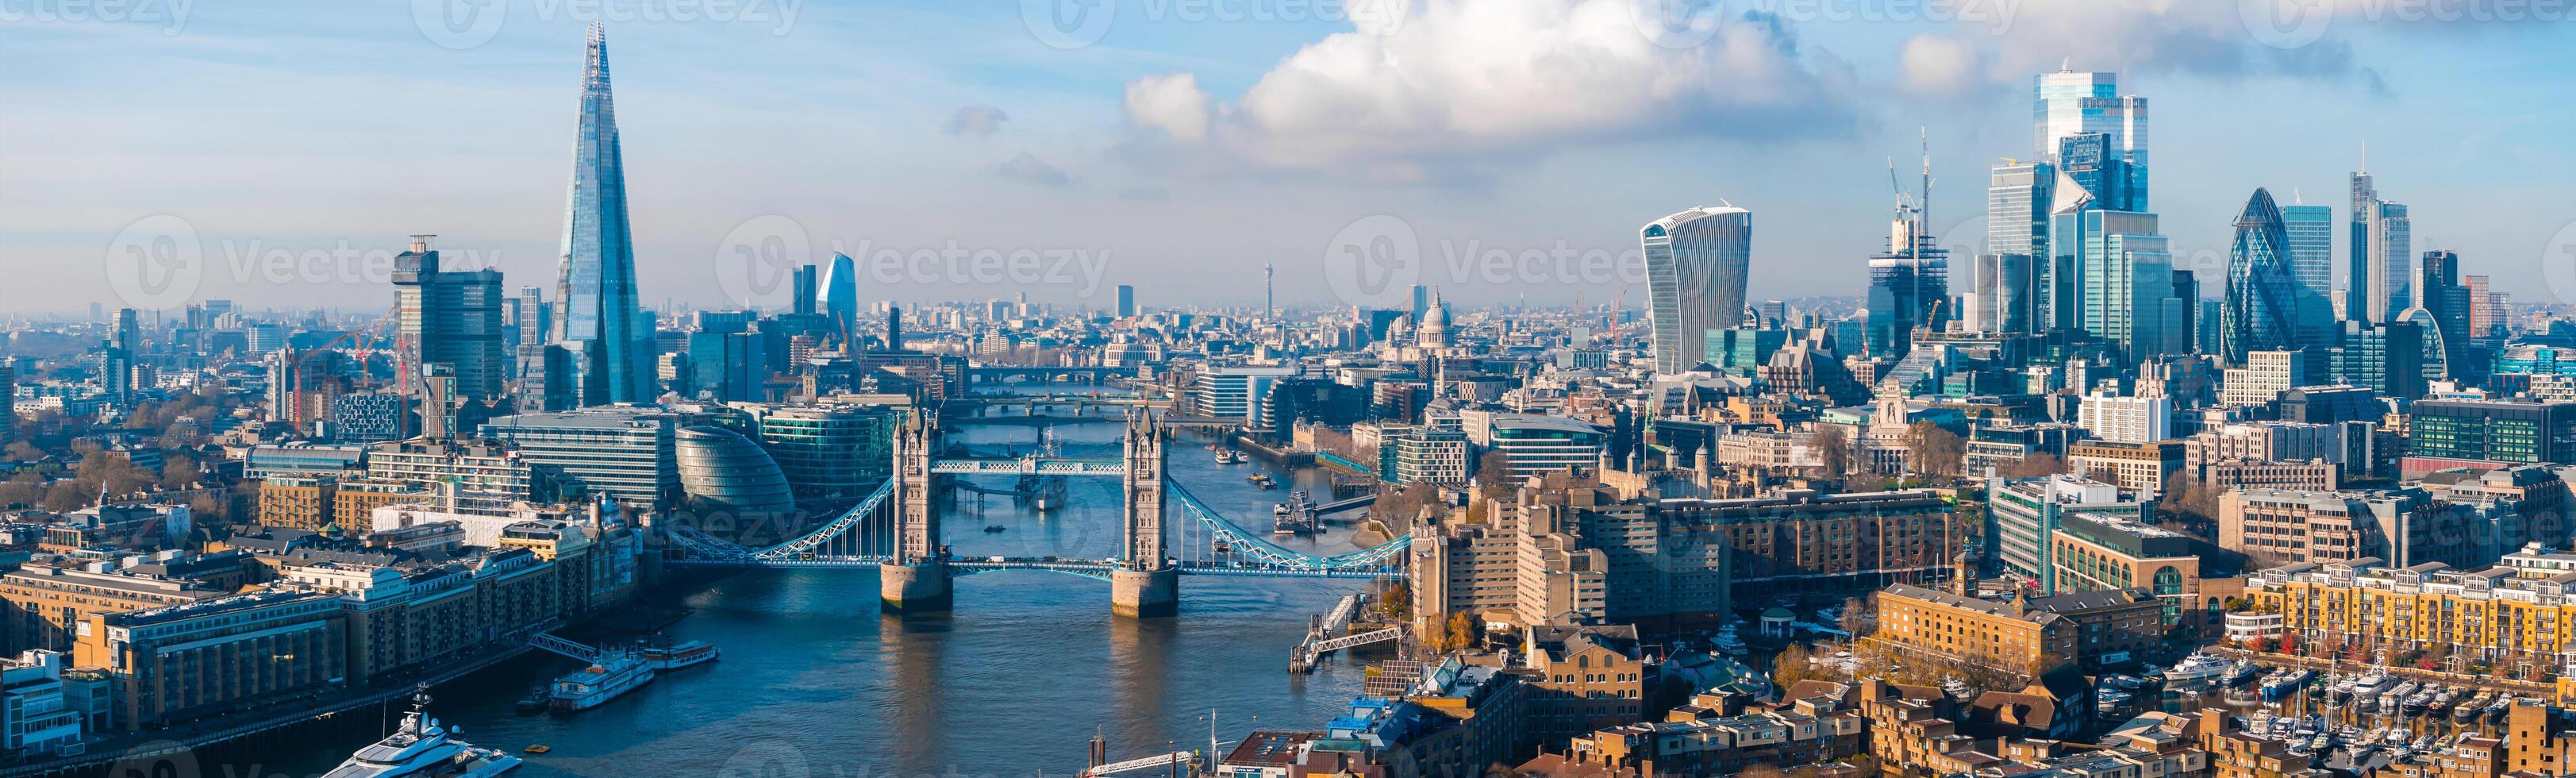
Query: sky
(158,152)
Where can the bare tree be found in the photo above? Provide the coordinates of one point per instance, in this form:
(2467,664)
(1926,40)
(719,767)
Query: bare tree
(2036,466)
(1833,448)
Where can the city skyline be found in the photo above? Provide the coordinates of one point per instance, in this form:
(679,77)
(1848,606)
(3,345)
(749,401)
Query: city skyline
(1008,138)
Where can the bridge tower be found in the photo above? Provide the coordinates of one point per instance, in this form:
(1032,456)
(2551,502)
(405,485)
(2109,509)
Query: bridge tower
(917,578)
(1144,585)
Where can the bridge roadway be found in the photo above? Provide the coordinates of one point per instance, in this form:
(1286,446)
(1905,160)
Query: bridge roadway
(1096,569)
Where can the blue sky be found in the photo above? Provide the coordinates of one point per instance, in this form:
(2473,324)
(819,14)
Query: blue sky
(1190,143)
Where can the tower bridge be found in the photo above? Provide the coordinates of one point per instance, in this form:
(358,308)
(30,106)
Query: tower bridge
(916,571)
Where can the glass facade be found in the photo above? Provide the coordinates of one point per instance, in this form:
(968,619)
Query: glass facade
(2504,431)
(1695,274)
(2125,279)
(596,320)
(2310,229)
(2379,283)
(2067,103)
(2261,307)
(720,469)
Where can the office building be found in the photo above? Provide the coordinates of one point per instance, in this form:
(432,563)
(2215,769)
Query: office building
(2261,310)
(837,451)
(2489,433)
(1909,288)
(2265,376)
(2029,635)
(2124,276)
(729,366)
(2379,273)
(839,301)
(2403,526)
(2310,229)
(1235,392)
(2023,514)
(447,317)
(804,290)
(180,662)
(2068,103)
(1695,274)
(720,470)
(1546,444)
(1126,301)
(626,453)
(2383,358)
(607,346)
(2138,468)
(2097,552)
(476,474)
(2128,419)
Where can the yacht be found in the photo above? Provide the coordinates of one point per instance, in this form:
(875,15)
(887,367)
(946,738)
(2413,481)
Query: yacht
(423,748)
(2242,671)
(614,674)
(687,654)
(2469,709)
(1226,456)
(2195,671)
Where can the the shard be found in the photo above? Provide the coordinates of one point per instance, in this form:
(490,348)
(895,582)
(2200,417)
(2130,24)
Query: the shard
(603,337)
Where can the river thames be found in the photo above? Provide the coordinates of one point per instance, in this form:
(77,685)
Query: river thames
(814,681)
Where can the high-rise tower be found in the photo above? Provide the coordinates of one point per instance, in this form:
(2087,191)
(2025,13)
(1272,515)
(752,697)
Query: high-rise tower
(1695,266)
(2378,284)
(447,317)
(596,320)
(2068,102)
(2261,311)
(839,299)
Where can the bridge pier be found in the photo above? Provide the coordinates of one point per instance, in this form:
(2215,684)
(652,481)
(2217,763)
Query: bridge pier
(1145,594)
(914,588)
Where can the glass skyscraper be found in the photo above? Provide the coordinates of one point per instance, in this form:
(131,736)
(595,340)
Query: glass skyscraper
(2311,232)
(1695,266)
(2124,279)
(603,335)
(2067,103)
(2380,277)
(447,317)
(2261,310)
(839,292)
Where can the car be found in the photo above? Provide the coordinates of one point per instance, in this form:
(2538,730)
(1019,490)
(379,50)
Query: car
(998,559)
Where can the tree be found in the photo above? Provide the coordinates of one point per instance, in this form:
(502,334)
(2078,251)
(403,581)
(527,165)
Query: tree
(2036,466)
(1857,618)
(22,451)
(1833,448)
(1463,629)
(180,471)
(1934,451)
(67,496)
(1494,473)
(1793,664)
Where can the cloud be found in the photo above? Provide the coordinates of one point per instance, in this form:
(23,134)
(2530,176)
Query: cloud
(1028,168)
(2226,39)
(1463,84)
(1145,194)
(975,120)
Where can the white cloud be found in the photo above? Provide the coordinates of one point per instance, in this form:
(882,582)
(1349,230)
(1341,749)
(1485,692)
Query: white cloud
(1464,82)
(975,120)
(2214,38)
(1029,169)
(1939,66)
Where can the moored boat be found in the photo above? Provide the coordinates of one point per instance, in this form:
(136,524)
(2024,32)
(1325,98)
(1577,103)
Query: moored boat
(674,657)
(615,673)
(423,748)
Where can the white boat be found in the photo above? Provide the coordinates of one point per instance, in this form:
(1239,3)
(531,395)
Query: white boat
(687,654)
(614,674)
(424,748)
(2195,671)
